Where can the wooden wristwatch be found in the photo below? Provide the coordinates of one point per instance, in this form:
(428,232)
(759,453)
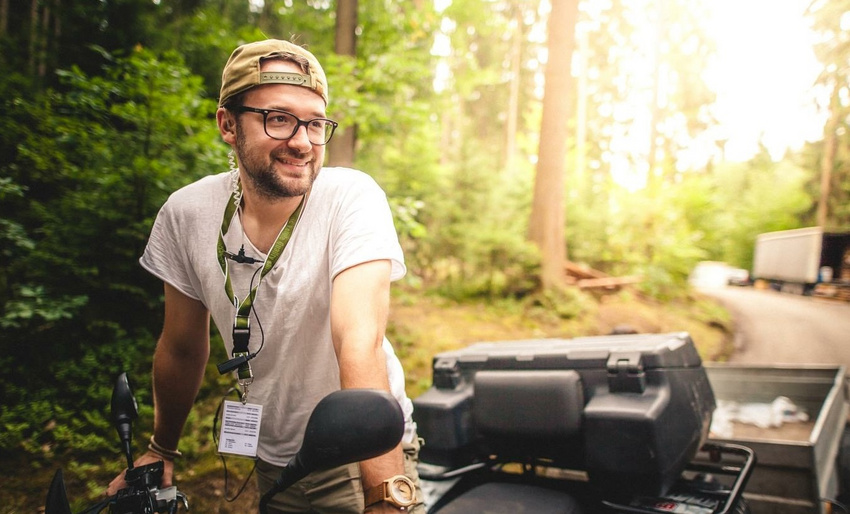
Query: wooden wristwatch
(398,491)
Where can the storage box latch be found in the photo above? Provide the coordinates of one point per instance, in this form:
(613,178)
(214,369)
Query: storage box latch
(625,373)
(446,373)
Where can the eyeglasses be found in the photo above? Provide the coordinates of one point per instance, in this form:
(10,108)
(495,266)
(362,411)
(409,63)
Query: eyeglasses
(282,125)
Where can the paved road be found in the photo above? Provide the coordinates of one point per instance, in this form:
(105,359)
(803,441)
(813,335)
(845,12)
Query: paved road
(777,328)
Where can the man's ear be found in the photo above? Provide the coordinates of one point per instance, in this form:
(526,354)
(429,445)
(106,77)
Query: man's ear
(226,125)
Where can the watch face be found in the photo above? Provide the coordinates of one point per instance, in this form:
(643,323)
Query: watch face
(402,491)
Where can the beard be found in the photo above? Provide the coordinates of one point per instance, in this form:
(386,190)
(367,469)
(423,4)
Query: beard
(260,171)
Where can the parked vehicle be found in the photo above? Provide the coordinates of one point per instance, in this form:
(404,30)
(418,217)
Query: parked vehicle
(738,277)
(616,424)
(796,261)
(713,274)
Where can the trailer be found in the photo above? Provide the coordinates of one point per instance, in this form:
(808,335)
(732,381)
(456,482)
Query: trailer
(804,261)
(801,467)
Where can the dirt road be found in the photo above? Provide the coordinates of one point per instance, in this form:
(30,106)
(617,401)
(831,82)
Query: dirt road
(777,328)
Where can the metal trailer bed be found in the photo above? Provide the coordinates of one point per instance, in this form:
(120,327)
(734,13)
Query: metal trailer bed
(797,467)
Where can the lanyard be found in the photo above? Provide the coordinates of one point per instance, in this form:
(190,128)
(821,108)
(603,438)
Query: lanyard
(241,323)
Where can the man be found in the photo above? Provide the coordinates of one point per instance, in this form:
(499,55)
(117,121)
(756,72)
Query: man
(294,263)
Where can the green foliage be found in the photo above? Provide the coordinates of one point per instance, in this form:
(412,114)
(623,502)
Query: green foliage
(828,20)
(32,306)
(488,265)
(660,233)
(90,169)
(756,197)
(567,303)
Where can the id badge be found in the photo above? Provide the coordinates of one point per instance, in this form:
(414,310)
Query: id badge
(240,428)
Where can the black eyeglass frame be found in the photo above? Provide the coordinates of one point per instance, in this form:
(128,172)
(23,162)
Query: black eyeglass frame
(298,122)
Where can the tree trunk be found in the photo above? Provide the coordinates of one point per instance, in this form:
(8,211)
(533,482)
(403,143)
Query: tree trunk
(33,42)
(513,98)
(581,118)
(4,17)
(547,223)
(43,42)
(655,175)
(57,25)
(341,148)
(828,160)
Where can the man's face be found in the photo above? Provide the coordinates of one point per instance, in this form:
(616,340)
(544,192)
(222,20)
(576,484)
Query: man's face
(279,169)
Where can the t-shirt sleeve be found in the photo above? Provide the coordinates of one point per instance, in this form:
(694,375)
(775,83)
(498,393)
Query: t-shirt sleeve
(165,257)
(364,230)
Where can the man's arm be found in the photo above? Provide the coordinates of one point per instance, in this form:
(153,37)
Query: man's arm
(359,309)
(178,368)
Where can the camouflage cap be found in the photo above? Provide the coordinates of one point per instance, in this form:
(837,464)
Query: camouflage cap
(242,71)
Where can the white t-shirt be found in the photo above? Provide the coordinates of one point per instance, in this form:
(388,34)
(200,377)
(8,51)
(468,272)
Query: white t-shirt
(346,221)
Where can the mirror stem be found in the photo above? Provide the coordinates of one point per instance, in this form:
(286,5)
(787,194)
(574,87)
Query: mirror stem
(128,452)
(293,472)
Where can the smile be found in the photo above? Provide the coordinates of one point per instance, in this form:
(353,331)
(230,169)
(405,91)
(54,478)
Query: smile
(289,162)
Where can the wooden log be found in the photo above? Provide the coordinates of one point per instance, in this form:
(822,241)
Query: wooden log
(579,271)
(608,282)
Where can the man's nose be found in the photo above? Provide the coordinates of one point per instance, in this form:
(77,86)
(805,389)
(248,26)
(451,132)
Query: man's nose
(300,139)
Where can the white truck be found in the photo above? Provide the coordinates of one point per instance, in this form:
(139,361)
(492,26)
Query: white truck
(803,259)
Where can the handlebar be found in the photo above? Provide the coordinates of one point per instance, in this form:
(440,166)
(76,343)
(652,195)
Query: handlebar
(142,494)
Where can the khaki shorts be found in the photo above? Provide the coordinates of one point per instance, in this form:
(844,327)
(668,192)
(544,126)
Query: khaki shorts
(336,491)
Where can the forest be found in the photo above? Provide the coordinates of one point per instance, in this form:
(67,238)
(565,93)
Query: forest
(501,131)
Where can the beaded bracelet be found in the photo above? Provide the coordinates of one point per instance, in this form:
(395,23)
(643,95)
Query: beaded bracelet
(163,452)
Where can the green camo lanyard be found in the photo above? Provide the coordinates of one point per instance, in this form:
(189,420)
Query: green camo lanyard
(241,325)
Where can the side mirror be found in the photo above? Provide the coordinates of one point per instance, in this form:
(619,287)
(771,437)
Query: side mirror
(57,497)
(346,426)
(125,410)
(349,426)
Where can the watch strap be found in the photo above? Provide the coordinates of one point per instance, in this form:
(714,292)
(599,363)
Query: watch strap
(375,494)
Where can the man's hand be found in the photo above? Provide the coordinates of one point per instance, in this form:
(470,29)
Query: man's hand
(149,457)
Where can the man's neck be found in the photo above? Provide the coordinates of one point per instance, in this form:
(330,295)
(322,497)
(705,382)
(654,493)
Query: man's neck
(263,219)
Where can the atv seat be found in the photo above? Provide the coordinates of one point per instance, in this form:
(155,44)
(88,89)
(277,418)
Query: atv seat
(505,498)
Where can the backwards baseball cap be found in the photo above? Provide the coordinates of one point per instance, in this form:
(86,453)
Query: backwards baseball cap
(242,71)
